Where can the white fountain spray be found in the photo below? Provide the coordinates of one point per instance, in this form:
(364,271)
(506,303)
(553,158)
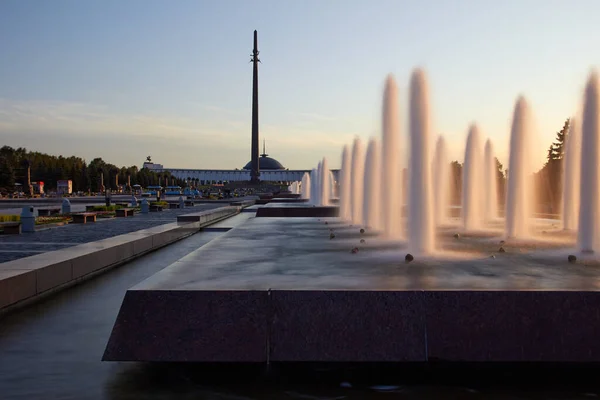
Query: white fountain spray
(345,185)
(441,182)
(490,183)
(589,205)
(391,178)
(313,186)
(572,176)
(420,209)
(520,174)
(318,185)
(371,206)
(357,180)
(325,183)
(305,194)
(332,186)
(472,182)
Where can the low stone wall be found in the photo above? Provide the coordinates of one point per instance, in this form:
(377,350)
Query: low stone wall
(209,216)
(30,278)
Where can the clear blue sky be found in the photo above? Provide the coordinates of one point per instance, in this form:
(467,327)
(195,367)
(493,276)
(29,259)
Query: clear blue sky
(171,79)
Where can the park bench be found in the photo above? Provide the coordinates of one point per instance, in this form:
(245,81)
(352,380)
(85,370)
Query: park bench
(45,212)
(84,218)
(154,208)
(173,205)
(124,212)
(11,228)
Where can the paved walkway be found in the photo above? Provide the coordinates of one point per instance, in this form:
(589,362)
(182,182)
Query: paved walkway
(13,247)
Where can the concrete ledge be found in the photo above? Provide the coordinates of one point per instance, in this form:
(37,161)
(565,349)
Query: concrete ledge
(27,279)
(243,203)
(298,212)
(209,216)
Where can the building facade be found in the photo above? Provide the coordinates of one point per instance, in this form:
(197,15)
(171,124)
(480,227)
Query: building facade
(223,175)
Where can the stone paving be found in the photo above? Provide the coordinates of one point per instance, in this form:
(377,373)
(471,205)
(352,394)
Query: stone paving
(13,247)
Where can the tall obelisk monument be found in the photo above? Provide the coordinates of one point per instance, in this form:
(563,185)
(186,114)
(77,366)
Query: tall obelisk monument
(255,168)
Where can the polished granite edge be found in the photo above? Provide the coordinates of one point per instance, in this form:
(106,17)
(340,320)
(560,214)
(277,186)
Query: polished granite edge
(56,270)
(297,211)
(356,326)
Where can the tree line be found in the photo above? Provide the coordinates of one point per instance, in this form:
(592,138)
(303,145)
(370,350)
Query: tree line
(14,164)
(93,176)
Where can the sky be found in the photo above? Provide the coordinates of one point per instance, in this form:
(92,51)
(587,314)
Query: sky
(123,80)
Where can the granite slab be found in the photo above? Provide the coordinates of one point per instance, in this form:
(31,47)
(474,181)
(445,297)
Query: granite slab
(336,292)
(228,326)
(296,210)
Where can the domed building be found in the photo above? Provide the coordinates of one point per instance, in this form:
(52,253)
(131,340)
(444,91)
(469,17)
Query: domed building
(266,163)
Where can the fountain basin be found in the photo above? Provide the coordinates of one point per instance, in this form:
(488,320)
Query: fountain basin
(280,290)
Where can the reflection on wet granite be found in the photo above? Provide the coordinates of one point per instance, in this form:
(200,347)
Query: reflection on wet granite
(299,254)
(373,381)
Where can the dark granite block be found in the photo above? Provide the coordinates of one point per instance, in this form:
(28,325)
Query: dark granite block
(513,326)
(347,326)
(288,200)
(300,212)
(201,326)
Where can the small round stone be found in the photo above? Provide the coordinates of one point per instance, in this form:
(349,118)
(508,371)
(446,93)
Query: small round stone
(457,235)
(492,256)
(572,258)
(354,250)
(362,230)
(501,250)
(326,223)
(331,236)
(362,240)
(408,258)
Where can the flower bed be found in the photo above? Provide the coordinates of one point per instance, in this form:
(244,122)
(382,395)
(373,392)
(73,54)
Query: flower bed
(9,218)
(38,220)
(52,220)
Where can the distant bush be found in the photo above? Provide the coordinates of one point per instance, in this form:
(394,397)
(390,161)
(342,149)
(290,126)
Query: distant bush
(10,218)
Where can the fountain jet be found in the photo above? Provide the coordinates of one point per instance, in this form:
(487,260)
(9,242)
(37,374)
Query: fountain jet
(589,206)
(371,206)
(332,186)
(520,171)
(305,194)
(472,182)
(571,176)
(441,182)
(318,185)
(420,210)
(490,183)
(345,179)
(313,186)
(356,188)
(391,182)
(325,183)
